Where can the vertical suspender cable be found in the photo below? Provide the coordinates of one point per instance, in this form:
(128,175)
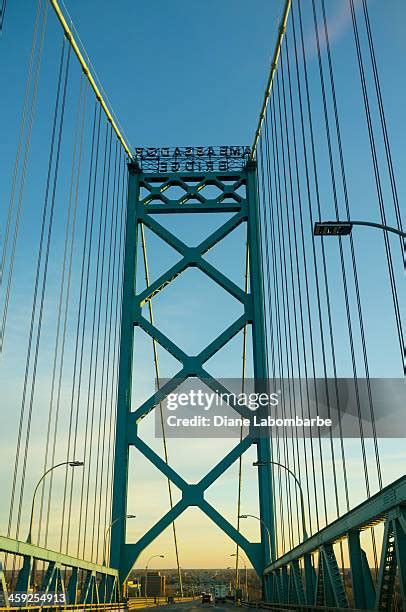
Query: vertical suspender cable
(285,332)
(353,256)
(264,198)
(278,300)
(34,306)
(45,273)
(309,310)
(378,183)
(23,121)
(113,323)
(29,106)
(384,129)
(289,347)
(86,270)
(116,344)
(78,354)
(75,196)
(2,14)
(96,314)
(324,268)
(243,375)
(61,327)
(296,217)
(157,376)
(293,258)
(105,370)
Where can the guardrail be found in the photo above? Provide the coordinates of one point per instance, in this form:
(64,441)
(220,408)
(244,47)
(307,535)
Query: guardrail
(94,606)
(95,578)
(149,602)
(301,608)
(308,576)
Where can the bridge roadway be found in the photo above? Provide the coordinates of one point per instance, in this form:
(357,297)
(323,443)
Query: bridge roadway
(192,606)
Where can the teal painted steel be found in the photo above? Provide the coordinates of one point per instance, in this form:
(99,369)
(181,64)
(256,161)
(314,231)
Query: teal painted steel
(31,551)
(23,578)
(260,359)
(362,584)
(285,584)
(88,588)
(3,584)
(335,579)
(310,578)
(399,530)
(119,511)
(297,581)
(372,510)
(325,587)
(72,588)
(369,586)
(143,210)
(49,577)
(56,564)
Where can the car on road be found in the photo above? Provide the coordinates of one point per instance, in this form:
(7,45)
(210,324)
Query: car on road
(207,598)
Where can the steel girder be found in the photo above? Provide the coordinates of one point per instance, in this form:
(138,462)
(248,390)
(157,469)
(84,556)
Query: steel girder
(104,580)
(324,585)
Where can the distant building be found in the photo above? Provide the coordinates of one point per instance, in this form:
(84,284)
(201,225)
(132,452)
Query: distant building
(156,585)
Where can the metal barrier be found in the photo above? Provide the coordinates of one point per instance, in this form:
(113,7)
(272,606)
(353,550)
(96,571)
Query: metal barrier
(93,606)
(99,583)
(132,604)
(296,582)
(140,602)
(297,607)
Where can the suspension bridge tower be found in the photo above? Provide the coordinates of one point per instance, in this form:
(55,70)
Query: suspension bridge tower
(232,177)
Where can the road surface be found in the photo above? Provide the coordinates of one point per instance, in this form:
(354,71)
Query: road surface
(194,606)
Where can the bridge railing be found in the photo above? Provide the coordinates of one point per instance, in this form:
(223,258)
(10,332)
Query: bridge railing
(81,582)
(142,602)
(300,607)
(85,607)
(309,577)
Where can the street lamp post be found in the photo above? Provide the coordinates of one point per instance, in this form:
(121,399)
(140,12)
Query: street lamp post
(71,464)
(246,572)
(146,571)
(181,584)
(343,228)
(265,463)
(265,526)
(231,584)
(120,518)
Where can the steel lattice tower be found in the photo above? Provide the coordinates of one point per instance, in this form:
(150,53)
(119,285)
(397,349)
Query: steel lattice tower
(144,211)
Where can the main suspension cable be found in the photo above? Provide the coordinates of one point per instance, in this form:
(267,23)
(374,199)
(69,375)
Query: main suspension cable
(89,76)
(272,72)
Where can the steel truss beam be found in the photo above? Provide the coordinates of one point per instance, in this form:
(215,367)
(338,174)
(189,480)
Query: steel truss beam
(140,211)
(326,586)
(53,579)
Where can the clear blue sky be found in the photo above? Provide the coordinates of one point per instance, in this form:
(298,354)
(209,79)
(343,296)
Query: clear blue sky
(193,73)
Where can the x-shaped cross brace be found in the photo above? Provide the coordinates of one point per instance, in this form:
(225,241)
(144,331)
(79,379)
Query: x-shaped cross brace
(192,366)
